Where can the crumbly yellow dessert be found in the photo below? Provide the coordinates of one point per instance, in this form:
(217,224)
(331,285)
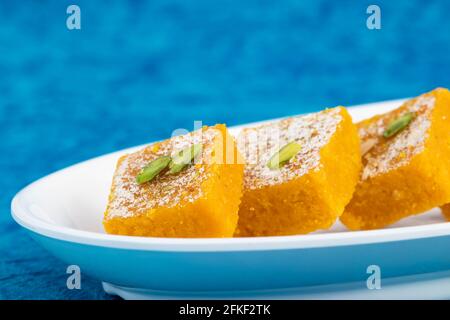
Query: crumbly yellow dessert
(446,211)
(406,163)
(155,194)
(299,175)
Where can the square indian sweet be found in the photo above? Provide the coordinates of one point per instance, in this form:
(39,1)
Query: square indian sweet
(406,163)
(299,174)
(188,186)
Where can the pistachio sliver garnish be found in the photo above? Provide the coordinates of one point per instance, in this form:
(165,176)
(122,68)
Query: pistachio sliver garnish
(151,170)
(282,156)
(398,125)
(184,158)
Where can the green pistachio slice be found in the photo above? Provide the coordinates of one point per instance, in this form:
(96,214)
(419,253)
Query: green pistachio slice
(281,157)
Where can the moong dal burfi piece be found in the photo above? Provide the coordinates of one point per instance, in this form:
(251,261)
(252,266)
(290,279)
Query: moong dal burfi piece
(406,163)
(300,173)
(187,186)
(446,211)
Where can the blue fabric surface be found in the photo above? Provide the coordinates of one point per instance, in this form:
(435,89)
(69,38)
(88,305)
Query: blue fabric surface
(138,70)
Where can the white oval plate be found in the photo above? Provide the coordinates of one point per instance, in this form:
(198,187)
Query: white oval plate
(64,212)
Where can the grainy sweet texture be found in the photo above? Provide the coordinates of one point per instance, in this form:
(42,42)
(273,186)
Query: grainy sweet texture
(200,201)
(311,190)
(408,173)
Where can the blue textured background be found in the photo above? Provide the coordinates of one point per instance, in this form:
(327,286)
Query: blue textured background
(137,70)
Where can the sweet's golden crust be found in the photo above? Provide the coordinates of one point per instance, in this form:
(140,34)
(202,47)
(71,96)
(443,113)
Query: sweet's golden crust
(313,189)
(406,174)
(200,201)
(446,211)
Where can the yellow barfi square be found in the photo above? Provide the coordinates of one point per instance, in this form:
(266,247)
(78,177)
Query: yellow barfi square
(152,194)
(406,163)
(300,173)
